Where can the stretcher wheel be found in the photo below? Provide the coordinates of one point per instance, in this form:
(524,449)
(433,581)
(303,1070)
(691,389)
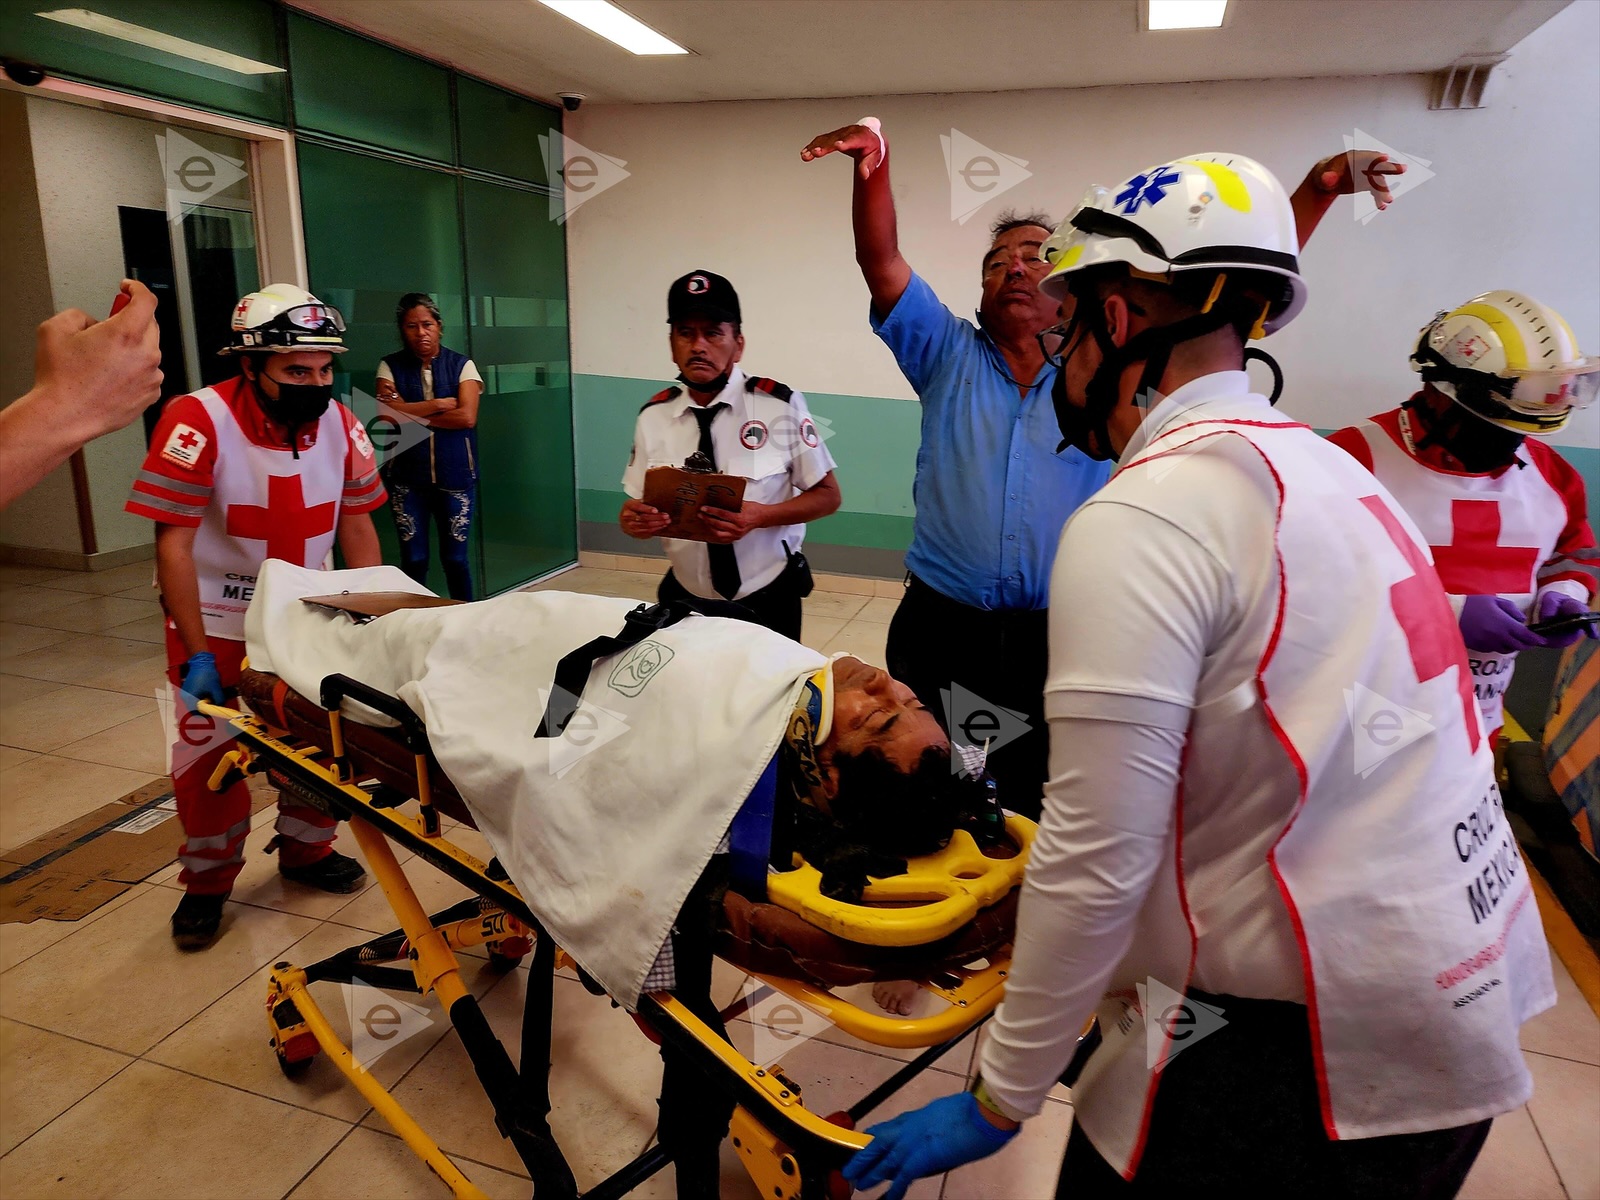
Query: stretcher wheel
(293,1068)
(508,952)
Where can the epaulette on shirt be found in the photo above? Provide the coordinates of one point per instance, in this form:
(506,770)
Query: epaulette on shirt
(770,386)
(662,397)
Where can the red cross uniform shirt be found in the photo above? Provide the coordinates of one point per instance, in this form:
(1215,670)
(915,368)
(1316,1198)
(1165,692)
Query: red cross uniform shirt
(1520,532)
(214,466)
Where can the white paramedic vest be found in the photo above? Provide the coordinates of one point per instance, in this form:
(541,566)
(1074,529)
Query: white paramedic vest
(265,503)
(1489,535)
(1419,939)
(606,828)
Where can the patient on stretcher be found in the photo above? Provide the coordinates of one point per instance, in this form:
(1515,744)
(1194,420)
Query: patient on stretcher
(694,738)
(706,747)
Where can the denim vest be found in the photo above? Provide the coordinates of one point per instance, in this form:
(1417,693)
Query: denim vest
(450,457)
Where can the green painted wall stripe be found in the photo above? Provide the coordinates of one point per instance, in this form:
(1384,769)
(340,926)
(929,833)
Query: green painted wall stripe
(874,440)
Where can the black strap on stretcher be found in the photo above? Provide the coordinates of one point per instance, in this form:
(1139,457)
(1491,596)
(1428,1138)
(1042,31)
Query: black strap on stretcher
(572,672)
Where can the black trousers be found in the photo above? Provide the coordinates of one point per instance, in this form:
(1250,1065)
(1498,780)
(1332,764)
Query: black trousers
(777,606)
(995,658)
(694,1114)
(1237,1114)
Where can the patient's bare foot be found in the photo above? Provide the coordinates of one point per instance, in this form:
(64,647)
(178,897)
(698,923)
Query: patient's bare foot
(895,996)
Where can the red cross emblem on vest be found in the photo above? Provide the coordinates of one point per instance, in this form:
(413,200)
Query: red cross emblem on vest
(1426,618)
(188,439)
(1475,563)
(285,524)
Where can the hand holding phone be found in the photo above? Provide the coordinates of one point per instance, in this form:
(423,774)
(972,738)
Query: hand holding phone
(1568,622)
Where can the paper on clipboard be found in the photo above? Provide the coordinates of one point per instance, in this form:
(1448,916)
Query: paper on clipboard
(682,494)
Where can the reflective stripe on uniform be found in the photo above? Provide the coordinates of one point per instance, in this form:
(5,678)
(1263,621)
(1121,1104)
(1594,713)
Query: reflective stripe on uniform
(161,504)
(303,831)
(173,485)
(218,841)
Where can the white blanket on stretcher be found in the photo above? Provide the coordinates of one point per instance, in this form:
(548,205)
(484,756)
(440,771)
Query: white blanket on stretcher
(605,829)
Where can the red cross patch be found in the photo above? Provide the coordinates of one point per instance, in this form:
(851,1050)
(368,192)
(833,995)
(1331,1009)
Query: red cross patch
(184,446)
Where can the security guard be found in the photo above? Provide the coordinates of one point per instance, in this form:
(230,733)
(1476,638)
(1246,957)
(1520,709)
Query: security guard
(757,428)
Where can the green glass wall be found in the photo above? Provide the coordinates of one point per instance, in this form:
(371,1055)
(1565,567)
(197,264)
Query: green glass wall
(100,40)
(517,279)
(500,133)
(390,207)
(353,88)
(376,229)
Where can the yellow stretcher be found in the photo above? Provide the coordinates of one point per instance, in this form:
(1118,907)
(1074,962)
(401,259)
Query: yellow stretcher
(368,777)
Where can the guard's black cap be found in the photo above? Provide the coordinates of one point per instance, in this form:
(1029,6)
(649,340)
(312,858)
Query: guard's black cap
(700,293)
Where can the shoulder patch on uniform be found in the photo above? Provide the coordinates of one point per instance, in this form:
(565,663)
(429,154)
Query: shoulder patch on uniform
(184,445)
(662,397)
(770,386)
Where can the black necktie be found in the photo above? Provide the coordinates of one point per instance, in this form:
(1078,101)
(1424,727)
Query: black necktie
(724,562)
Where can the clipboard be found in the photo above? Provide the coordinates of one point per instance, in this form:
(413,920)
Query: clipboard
(681,494)
(365,606)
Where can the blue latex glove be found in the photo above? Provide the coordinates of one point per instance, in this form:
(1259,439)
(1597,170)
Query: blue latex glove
(1558,604)
(198,679)
(1494,625)
(936,1138)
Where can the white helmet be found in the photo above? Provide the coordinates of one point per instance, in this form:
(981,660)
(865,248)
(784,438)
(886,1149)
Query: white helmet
(1509,359)
(1205,212)
(283,318)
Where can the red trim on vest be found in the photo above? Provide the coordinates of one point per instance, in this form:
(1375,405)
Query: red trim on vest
(1318,1062)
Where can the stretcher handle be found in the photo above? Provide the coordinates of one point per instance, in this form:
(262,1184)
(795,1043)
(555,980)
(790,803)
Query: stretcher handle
(336,688)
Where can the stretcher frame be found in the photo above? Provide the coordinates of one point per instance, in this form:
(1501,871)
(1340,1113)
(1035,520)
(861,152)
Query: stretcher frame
(790,1152)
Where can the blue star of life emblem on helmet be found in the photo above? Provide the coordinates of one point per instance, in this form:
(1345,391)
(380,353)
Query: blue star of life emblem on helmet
(1146,189)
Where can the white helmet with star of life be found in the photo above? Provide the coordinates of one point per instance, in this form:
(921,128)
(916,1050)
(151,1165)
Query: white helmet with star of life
(282,318)
(1214,212)
(1509,359)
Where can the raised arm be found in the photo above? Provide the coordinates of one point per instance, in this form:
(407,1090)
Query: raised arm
(871,210)
(1341,175)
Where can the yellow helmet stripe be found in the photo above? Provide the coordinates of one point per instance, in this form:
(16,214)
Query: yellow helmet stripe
(1572,341)
(1231,189)
(1504,328)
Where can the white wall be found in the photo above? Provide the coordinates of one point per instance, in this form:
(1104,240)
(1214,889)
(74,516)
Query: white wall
(721,186)
(46,517)
(87,163)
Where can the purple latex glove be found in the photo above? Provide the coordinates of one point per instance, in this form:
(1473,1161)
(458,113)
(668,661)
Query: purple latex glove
(1559,604)
(1494,625)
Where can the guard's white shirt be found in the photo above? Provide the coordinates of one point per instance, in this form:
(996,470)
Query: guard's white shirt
(773,443)
(1190,685)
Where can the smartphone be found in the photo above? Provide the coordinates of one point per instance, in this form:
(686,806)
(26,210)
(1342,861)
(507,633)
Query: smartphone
(1565,624)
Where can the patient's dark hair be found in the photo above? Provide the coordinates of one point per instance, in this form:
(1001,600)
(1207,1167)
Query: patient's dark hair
(897,813)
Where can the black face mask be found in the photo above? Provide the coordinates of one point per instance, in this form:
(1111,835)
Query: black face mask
(295,406)
(710,387)
(1479,446)
(1078,422)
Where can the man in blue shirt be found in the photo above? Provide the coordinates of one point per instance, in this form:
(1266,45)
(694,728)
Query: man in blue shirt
(992,491)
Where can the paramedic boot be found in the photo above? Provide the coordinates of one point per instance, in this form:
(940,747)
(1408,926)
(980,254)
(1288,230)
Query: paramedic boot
(338,873)
(196,919)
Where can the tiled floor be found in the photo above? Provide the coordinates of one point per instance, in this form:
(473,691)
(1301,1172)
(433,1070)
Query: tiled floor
(128,1069)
